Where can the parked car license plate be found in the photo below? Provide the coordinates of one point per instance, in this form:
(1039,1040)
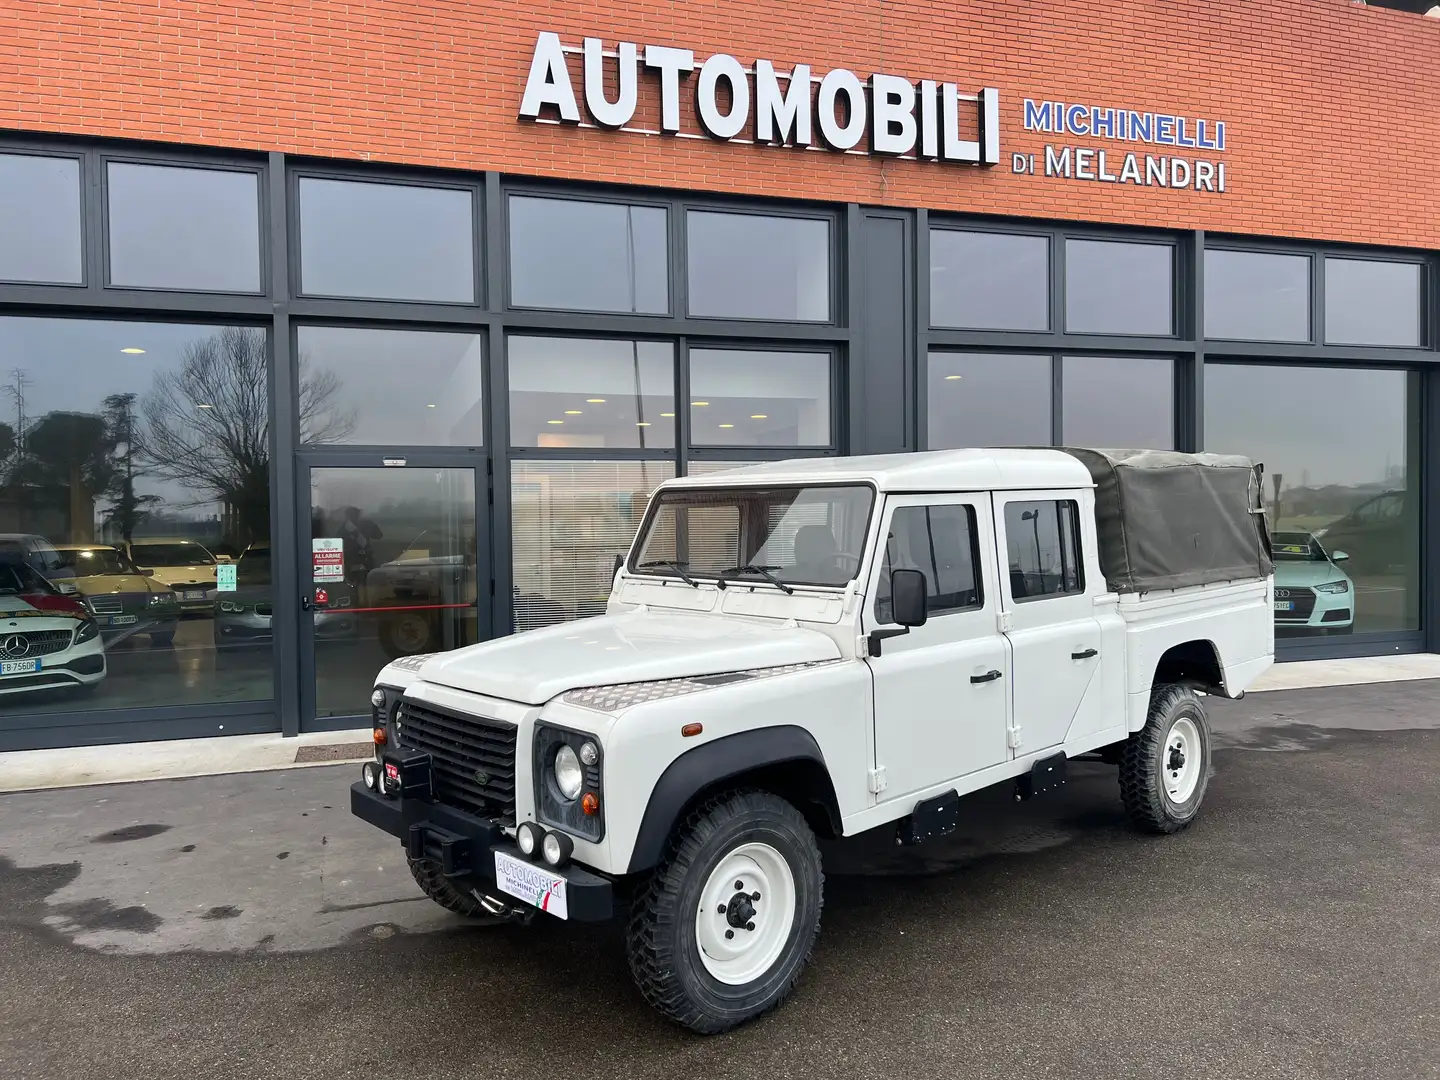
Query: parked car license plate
(536,885)
(122,620)
(1284,605)
(18,667)
(194,594)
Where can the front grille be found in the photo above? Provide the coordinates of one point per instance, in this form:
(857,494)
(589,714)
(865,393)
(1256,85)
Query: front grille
(106,605)
(1304,601)
(22,646)
(472,759)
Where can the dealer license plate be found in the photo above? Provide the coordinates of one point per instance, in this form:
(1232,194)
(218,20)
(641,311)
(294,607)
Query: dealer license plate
(194,594)
(534,884)
(18,667)
(1284,605)
(122,620)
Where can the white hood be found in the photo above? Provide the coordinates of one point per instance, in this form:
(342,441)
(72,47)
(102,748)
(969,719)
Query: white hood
(637,646)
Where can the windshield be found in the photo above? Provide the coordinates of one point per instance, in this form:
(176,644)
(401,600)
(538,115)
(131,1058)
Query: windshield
(93,562)
(794,535)
(17,579)
(171,555)
(1297,547)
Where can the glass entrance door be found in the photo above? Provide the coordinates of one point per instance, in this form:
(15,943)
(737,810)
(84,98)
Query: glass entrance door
(395,569)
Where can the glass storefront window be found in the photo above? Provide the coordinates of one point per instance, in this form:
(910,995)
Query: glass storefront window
(989,281)
(136,472)
(40,238)
(569,520)
(592,393)
(174,227)
(390,387)
(1118,402)
(1342,487)
(749,266)
(377,241)
(1373,303)
(588,256)
(1257,296)
(746,397)
(987,399)
(1118,287)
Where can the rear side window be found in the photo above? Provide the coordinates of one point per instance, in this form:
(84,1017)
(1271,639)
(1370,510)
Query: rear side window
(939,541)
(1043,543)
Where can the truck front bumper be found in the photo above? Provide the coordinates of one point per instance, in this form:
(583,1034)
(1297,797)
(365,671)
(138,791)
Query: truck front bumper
(465,847)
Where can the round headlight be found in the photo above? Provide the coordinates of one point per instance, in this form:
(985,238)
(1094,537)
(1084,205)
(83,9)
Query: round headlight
(377,698)
(557,848)
(371,772)
(569,776)
(528,838)
(589,753)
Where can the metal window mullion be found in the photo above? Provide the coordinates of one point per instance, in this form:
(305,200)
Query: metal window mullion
(922,301)
(682,406)
(497,437)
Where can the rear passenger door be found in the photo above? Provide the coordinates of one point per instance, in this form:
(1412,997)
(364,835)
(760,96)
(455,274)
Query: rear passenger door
(1055,638)
(940,690)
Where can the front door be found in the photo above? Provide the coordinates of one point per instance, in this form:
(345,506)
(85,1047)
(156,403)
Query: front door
(396,568)
(1054,635)
(941,690)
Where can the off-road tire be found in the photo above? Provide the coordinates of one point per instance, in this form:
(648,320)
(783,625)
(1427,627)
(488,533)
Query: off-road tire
(661,938)
(1143,761)
(442,890)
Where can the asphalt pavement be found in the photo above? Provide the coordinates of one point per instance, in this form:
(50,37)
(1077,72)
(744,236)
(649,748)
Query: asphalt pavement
(247,926)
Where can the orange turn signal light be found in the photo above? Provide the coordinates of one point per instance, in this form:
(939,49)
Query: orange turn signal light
(380,736)
(590,803)
(692,729)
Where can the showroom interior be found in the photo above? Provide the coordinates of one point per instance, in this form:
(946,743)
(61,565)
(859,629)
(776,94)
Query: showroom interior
(273,421)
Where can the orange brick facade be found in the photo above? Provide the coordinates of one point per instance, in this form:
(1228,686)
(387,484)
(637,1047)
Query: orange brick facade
(1333,129)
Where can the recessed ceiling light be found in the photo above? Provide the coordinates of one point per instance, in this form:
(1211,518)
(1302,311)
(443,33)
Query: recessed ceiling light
(759,416)
(554,421)
(727,425)
(133,352)
(429,406)
(595,400)
(643,423)
(204,406)
(574,412)
(952,378)
(667,415)
(699,403)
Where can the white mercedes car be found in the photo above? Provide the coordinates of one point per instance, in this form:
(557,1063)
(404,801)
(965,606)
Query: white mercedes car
(47,640)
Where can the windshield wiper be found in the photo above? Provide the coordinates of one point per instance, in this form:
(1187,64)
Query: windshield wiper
(669,564)
(763,571)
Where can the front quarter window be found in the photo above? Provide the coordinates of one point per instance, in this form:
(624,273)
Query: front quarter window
(794,535)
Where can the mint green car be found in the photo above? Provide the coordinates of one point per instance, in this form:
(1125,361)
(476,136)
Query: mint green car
(1312,594)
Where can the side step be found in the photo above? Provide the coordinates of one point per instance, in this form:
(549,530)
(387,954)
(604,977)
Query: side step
(1045,775)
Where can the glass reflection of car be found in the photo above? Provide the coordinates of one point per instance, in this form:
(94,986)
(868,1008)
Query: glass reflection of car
(41,556)
(187,566)
(124,599)
(244,616)
(423,592)
(1312,593)
(47,640)
(1380,534)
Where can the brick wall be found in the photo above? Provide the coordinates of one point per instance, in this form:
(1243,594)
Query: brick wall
(1332,119)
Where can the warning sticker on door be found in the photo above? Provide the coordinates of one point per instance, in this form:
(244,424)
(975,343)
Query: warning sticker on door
(225,577)
(329,558)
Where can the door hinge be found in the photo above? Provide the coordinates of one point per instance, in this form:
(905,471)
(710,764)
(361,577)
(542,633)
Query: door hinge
(862,646)
(1004,622)
(1012,737)
(878,783)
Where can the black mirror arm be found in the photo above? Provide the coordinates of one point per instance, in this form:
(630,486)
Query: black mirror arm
(873,645)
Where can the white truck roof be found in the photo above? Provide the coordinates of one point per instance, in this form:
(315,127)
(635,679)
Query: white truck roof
(932,470)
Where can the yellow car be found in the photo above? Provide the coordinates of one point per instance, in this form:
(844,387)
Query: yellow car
(124,599)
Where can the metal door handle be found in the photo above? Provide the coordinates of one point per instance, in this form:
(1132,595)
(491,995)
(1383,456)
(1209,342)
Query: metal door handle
(989,676)
(304,603)
(1086,655)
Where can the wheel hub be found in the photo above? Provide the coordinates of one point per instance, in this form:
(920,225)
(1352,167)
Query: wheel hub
(1183,760)
(746,912)
(740,911)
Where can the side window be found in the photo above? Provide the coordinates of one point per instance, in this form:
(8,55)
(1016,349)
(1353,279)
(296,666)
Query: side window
(1043,541)
(939,541)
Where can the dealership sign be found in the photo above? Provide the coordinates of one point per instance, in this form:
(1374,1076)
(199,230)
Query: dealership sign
(884,114)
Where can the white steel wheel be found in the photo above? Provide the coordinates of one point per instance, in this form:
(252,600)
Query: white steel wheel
(746,913)
(1182,760)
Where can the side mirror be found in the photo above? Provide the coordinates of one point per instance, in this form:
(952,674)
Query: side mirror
(619,562)
(1338,556)
(148,571)
(907,597)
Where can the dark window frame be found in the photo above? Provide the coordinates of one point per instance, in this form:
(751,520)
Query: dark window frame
(1321,332)
(1076,542)
(101,182)
(18,148)
(1178,287)
(835,399)
(1313,259)
(1053,240)
(973,521)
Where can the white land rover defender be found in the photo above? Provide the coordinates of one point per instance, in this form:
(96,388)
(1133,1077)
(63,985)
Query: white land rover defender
(813,649)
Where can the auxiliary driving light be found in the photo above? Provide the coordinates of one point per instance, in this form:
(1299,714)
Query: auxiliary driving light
(377,698)
(557,849)
(528,838)
(371,772)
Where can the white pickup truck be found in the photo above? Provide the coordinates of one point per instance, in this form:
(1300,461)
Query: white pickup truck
(814,649)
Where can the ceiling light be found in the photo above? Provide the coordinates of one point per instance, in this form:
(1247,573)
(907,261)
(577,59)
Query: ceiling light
(204,406)
(554,421)
(132,351)
(667,415)
(595,400)
(699,403)
(643,423)
(429,406)
(574,412)
(727,425)
(952,378)
(759,416)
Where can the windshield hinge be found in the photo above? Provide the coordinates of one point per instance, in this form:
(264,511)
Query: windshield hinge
(878,783)
(862,646)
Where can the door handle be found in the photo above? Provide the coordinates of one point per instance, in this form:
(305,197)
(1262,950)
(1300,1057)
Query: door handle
(1086,655)
(304,603)
(989,676)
